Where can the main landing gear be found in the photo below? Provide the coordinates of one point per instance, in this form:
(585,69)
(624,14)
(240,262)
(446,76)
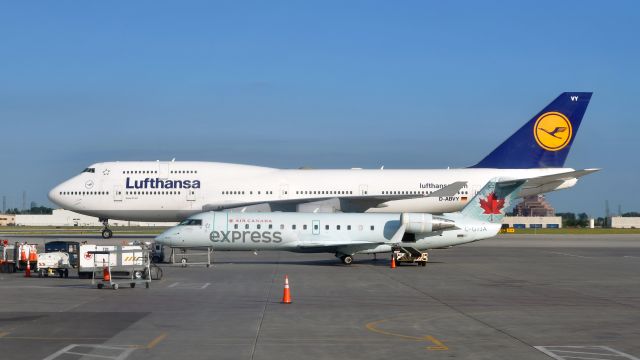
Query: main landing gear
(346,259)
(106,232)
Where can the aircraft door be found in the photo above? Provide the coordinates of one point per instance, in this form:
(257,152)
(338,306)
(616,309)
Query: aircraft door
(284,191)
(163,170)
(117,193)
(220,221)
(315,227)
(364,189)
(191,195)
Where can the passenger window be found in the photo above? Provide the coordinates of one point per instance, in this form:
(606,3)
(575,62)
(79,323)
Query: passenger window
(258,226)
(337,227)
(304,227)
(326,227)
(315,227)
(270,226)
(235,226)
(348,227)
(372,227)
(293,227)
(281,226)
(246,226)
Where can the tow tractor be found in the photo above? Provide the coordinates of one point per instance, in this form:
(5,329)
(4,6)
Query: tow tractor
(405,254)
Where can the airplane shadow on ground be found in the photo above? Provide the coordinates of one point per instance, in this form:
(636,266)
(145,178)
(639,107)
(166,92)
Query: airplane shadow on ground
(328,262)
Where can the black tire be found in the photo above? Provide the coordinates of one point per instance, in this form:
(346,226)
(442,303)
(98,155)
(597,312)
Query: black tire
(155,273)
(66,273)
(107,234)
(115,286)
(155,259)
(60,274)
(183,261)
(132,285)
(100,286)
(146,285)
(347,259)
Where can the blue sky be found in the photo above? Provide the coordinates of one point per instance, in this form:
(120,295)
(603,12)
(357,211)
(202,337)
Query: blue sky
(323,84)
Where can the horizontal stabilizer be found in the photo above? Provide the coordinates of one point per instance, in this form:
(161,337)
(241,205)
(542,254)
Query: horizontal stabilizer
(449,190)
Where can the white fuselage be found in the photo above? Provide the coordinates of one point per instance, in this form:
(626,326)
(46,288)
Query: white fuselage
(172,191)
(316,232)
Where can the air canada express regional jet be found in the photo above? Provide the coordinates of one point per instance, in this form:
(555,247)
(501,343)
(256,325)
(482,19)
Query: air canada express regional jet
(174,190)
(348,234)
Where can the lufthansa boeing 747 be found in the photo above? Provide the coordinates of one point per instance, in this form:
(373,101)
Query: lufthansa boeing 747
(173,191)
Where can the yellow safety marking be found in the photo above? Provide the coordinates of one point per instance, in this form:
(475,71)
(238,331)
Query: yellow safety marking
(156,341)
(438,345)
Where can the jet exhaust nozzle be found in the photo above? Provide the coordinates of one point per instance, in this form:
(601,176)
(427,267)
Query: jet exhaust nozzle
(418,223)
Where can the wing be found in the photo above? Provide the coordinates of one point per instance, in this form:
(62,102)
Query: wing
(315,243)
(346,203)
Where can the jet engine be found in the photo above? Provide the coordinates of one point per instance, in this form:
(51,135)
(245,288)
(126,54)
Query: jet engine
(418,223)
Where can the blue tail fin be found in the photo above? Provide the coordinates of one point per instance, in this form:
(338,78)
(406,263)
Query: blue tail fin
(493,200)
(545,140)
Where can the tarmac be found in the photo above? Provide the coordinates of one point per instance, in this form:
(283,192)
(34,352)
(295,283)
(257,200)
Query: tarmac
(513,297)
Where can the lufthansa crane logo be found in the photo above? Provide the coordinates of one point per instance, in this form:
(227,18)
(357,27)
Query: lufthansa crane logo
(552,131)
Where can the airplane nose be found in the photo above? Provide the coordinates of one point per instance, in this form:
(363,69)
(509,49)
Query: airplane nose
(164,238)
(54,196)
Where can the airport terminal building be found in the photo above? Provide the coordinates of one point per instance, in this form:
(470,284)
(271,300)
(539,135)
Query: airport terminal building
(533,222)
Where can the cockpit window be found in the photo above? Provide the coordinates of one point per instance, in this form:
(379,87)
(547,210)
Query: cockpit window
(89,170)
(191,222)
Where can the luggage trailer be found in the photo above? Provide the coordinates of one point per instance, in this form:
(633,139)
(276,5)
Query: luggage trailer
(114,274)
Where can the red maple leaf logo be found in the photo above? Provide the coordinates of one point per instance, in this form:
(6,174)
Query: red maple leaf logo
(492,205)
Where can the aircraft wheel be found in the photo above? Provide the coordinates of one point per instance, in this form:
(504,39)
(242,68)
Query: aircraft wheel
(100,286)
(107,234)
(115,286)
(66,273)
(346,259)
(183,261)
(132,285)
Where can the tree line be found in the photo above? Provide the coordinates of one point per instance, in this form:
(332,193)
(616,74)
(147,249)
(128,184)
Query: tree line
(36,210)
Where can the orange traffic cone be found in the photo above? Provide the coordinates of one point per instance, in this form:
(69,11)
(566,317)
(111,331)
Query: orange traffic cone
(286,297)
(27,272)
(393,261)
(106,276)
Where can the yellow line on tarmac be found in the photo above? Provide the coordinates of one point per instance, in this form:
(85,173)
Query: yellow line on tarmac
(438,344)
(372,327)
(156,341)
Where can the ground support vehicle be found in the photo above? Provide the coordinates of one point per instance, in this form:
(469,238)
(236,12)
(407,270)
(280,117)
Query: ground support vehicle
(410,255)
(197,256)
(16,256)
(54,262)
(138,271)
